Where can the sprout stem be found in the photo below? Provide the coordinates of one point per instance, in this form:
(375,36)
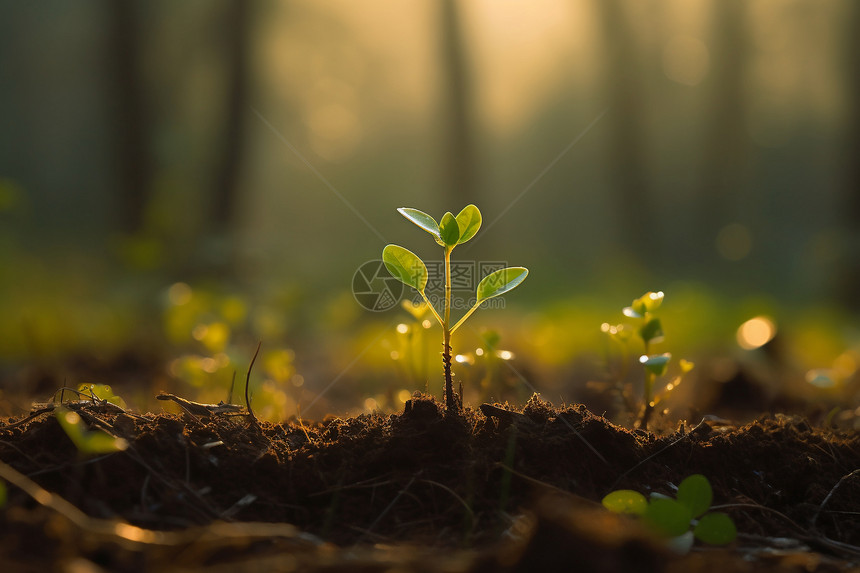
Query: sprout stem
(446,336)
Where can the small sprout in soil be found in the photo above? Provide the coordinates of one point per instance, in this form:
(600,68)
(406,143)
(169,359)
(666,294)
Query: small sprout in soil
(673,518)
(649,330)
(407,267)
(102,392)
(87,441)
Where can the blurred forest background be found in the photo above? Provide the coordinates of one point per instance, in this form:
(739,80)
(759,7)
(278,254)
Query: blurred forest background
(179,180)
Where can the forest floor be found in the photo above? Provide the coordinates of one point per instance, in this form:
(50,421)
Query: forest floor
(487,490)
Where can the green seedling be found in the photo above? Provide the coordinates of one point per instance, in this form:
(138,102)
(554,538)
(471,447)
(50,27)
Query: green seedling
(673,518)
(87,441)
(649,330)
(407,267)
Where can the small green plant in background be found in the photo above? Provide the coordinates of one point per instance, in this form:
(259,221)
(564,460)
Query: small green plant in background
(407,267)
(649,330)
(673,518)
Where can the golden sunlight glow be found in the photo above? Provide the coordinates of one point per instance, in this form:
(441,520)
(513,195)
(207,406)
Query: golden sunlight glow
(426,323)
(506,355)
(479,352)
(404,395)
(756,332)
(464,359)
(686,60)
(370,404)
(402,328)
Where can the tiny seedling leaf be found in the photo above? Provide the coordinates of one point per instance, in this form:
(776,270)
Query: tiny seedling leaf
(449,230)
(656,363)
(715,528)
(405,266)
(626,501)
(651,331)
(421,219)
(695,492)
(500,282)
(668,517)
(469,221)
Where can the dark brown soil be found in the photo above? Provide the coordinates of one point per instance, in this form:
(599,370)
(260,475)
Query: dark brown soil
(418,491)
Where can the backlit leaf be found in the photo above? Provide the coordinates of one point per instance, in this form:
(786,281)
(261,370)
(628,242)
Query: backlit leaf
(656,363)
(668,517)
(716,528)
(695,492)
(405,266)
(449,230)
(626,501)
(500,282)
(651,331)
(421,219)
(469,221)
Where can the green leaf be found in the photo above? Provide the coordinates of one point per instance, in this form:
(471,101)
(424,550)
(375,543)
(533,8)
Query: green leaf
(716,528)
(421,219)
(668,517)
(695,492)
(449,230)
(87,441)
(626,501)
(469,221)
(500,282)
(656,363)
(405,266)
(651,331)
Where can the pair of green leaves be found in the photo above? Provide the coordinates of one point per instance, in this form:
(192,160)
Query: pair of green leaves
(672,517)
(450,231)
(409,269)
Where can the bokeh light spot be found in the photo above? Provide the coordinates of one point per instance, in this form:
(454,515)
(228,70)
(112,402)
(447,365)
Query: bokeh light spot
(756,332)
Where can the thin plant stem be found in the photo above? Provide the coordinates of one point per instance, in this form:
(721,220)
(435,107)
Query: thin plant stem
(465,316)
(446,335)
(432,308)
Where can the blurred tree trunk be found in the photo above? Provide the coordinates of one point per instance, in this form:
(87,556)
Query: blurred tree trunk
(725,148)
(458,141)
(849,281)
(218,248)
(626,160)
(228,168)
(132,126)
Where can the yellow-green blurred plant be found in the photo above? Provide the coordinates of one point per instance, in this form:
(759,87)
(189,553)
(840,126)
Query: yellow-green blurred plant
(647,330)
(487,361)
(411,353)
(211,326)
(102,392)
(88,442)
